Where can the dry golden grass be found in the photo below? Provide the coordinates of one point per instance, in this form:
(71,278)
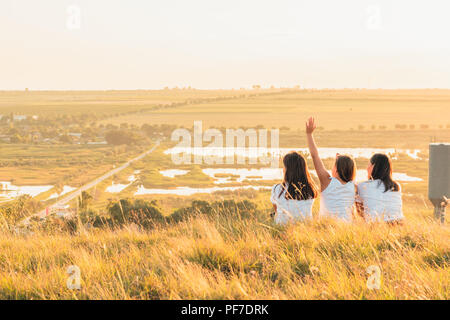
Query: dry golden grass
(220,257)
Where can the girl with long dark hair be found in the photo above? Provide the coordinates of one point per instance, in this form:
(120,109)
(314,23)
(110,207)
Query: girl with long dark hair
(293,199)
(338,190)
(380,198)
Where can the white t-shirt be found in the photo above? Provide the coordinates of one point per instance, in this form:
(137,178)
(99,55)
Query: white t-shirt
(380,205)
(289,210)
(338,200)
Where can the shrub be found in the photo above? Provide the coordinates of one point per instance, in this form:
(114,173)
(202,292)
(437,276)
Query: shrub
(242,209)
(90,218)
(140,212)
(17,210)
(197,207)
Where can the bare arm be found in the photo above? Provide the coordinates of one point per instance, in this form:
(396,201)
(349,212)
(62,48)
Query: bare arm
(322,173)
(274,213)
(360,209)
(272,199)
(359,205)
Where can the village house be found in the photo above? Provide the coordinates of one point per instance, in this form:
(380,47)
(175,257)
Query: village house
(50,140)
(5,138)
(97,143)
(19,117)
(60,211)
(75,135)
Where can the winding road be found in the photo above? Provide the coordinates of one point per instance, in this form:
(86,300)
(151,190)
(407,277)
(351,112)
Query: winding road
(73,195)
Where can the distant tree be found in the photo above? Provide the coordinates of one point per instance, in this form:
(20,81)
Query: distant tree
(16,139)
(110,126)
(13,131)
(121,137)
(65,138)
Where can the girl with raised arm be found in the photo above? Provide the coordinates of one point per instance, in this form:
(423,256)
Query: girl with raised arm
(338,190)
(380,198)
(293,199)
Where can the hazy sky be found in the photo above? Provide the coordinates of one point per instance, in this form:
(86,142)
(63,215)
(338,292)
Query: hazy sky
(150,44)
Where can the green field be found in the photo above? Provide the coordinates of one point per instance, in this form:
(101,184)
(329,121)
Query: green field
(70,164)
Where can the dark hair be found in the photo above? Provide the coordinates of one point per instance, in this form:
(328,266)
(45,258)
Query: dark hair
(346,168)
(382,170)
(297,180)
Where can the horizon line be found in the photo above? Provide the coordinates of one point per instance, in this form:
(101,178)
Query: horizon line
(223,89)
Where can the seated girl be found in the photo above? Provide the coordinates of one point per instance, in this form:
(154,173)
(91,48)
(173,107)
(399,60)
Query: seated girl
(380,198)
(338,190)
(294,198)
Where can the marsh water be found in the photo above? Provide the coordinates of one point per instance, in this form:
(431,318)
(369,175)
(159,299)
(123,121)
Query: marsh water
(222,176)
(325,153)
(10,191)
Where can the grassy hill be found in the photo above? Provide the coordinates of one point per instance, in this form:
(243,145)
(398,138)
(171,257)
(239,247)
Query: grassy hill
(229,254)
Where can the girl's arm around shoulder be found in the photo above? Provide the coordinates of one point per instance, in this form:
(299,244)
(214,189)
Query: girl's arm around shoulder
(359,203)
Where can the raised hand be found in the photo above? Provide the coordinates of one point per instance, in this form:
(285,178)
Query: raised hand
(310,125)
(322,172)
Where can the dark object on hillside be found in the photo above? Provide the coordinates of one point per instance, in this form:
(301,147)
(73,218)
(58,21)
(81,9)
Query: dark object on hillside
(140,212)
(439,179)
